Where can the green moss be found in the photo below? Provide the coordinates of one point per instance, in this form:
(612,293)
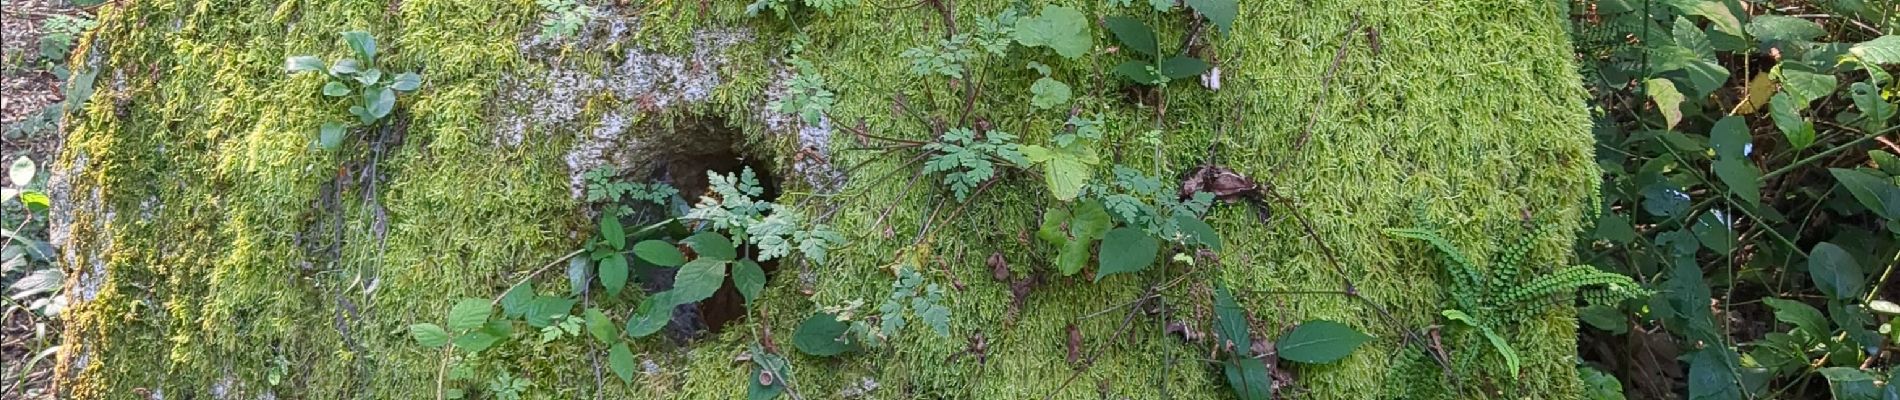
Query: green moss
(214,234)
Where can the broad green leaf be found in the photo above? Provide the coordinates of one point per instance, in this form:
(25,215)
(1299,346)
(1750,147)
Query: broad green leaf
(1804,317)
(1062,29)
(1668,100)
(1497,342)
(1788,119)
(1046,93)
(1845,374)
(580,271)
(1319,342)
(1230,323)
(823,335)
(1051,229)
(1853,319)
(1776,28)
(1878,195)
(1133,35)
(654,312)
(35,201)
(330,136)
(1182,67)
(659,253)
(385,101)
(749,279)
(1742,178)
(302,64)
(1598,385)
(369,77)
(22,171)
(1138,71)
(757,389)
(476,341)
(1804,84)
(1065,169)
(543,309)
(407,81)
(711,245)
(468,313)
(601,327)
(344,67)
(363,44)
(1874,109)
(1073,256)
(1880,51)
(1603,317)
(1835,272)
(335,89)
(1705,76)
(613,273)
(1198,231)
(514,302)
(1730,137)
(1126,250)
(697,280)
(1220,12)
(620,360)
(1091,221)
(1717,12)
(1711,376)
(1615,228)
(429,335)
(1690,37)
(1250,378)
(1715,232)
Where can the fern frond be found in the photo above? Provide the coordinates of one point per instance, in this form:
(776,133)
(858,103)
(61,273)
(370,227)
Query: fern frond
(1466,278)
(1508,264)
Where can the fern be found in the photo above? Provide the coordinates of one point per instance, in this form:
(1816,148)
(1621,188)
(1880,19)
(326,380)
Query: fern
(968,161)
(777,230)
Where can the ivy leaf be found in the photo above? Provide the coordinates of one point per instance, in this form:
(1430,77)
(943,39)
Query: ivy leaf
(1048,93)
(620,360)
(429,335)
(659,253)
(1880,51)
(303,64)
(600,326)
(1320,342)
(363,44)
(335,89)
(749,279)
(330,136)
(1133,35)
(469,313)
(1230,322)
(1182,67)
(1788,119)
(1668,100)
(1073,256)
(711,245)
(514,302)
(1804,317)
(1742,179)
(613,273)
(652,314)
(1834,271)
(1091,221)
(1878,195)
(1060,28)
(1198,231)
(1126,250)
(1220,12)
(1249,377)
(823,335)
(1776,28)
(612,232)
(697,280)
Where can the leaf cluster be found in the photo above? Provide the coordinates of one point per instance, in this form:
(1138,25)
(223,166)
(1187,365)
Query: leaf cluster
(967,158)
(371,92)
(564,17)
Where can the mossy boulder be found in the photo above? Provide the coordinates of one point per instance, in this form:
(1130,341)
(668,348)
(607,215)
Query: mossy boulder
(216,252)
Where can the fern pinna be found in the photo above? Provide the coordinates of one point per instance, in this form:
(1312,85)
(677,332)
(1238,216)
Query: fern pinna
(1487,298)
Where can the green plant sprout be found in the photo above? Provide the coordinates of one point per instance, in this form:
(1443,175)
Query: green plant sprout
(372,94)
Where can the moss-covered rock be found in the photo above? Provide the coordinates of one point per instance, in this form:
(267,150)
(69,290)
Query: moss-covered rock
(216,251)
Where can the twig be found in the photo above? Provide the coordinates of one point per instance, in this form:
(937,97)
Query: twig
(1325,85)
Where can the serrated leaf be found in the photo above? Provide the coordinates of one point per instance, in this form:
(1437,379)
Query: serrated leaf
(1776,28)
(1133,35)
(1230,323)
(1668,100)
(613,273)
(1198,231)
(1090,221)
(1046,93)
(330,136)
(543,309)
(1804,317)
(468,313)
(749,279)
(407,81)
(1073,256)
(697,280)
(514,302)
(21,171)
(429,335)
(1319,342)
(1835,272)
(475,342)
(1250,378)
(824,336)
(620,360)
(1126,250)
(1878,195)
(1799,131)
(1182,67)
(302,64)
(1880,51)
(711,245)
(1062,29)
(1742,178)
(362,43)
(1220,12)
(659,253)
(653,314)
(601,327)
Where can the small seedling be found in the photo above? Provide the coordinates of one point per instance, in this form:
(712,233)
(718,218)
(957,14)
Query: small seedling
(372,93)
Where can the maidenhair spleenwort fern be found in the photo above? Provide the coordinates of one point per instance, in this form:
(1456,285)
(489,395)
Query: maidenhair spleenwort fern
(1489,299)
